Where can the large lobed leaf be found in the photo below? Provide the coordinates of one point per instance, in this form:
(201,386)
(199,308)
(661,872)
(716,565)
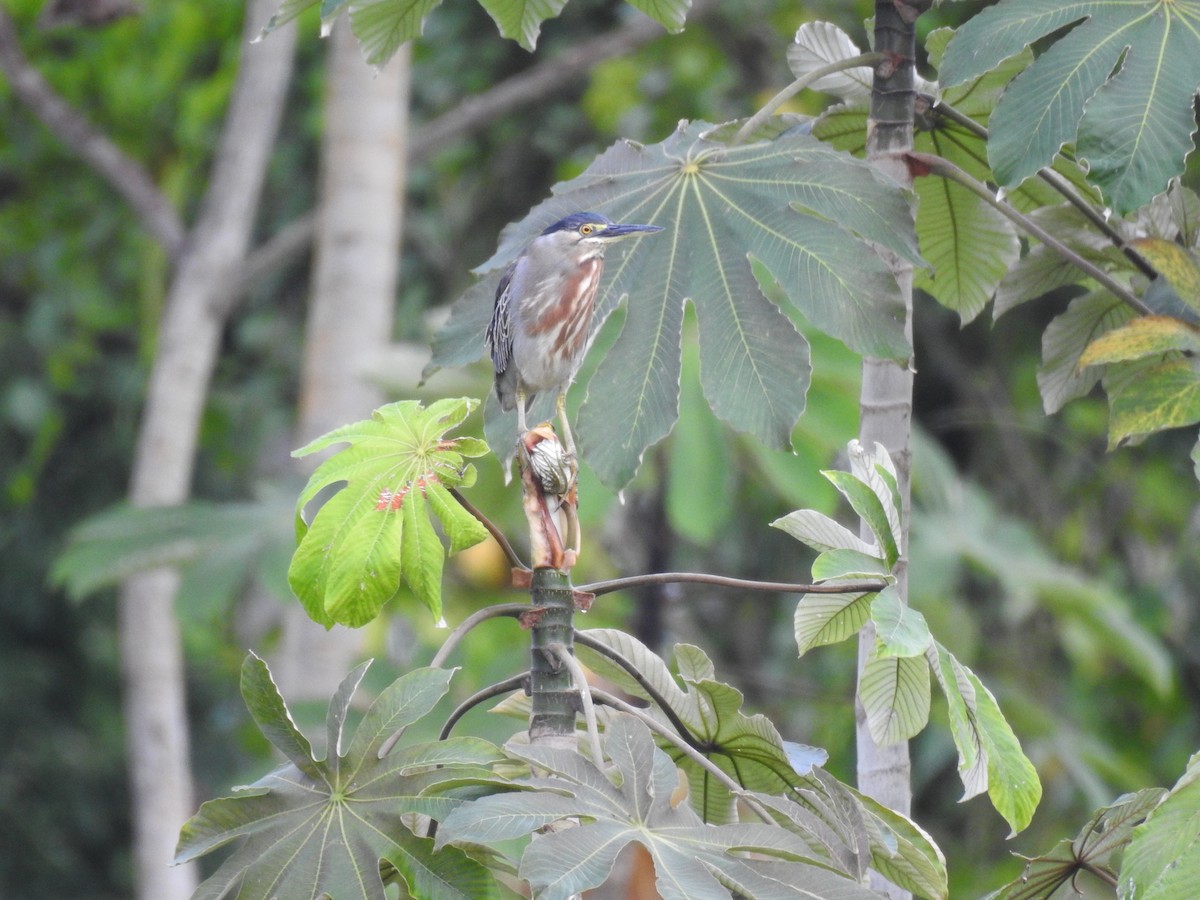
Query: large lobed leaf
(793,204)
(321,827)
(1118,82)
(376,531)
(596,813)
(1096,848)
(1163,859)
(845,830)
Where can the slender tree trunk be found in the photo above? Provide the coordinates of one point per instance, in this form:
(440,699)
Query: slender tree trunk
(886,401)
(188,343)
(351,310)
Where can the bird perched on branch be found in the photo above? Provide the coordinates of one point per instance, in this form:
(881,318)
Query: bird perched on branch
(542,323)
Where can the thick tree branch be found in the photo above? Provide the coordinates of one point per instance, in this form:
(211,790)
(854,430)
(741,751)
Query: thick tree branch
(127,177)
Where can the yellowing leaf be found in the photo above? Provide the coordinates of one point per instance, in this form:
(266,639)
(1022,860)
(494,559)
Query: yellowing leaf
(1163,396)
(1145,336)
(1174,263)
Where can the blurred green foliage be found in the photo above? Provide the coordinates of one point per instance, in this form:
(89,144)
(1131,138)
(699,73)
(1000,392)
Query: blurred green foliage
(80,291)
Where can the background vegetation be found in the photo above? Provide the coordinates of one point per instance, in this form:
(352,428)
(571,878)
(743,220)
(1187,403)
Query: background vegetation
(1034,548)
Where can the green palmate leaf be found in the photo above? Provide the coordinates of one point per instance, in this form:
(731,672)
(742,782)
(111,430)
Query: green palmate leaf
(900,629)
(692,861)
(747,747)
(792,204)
(1144,336)
(989,756)
(829,618)
(321,827)
(1119,84)
(894,692)
(272,717)
(1163,859)
(377,532)
(1060,377)
(381,26)
(1107,832)
(1166,395)
(521,20)
(1176,264)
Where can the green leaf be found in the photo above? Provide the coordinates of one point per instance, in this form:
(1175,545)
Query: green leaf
(902,852)
(1166,395)
(990,757)
(670,14)
(829,618)
(692,861)
(1098,843)
(833,565)
(816,45)
(900,629)
(871,509)
(822,533)
(748,748)
(219,548)
(1119,84)
(381,26)
(1060,377)
(521,20)
(1144,336)
(1163,859)
(272,717)
(321,827)
(894,692)
(287,11)
(376,531)
(792,204)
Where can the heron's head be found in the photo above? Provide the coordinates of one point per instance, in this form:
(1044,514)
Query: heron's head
(590,231)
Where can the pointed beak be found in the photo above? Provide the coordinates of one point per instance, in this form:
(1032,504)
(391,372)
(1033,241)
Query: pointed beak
(616,232)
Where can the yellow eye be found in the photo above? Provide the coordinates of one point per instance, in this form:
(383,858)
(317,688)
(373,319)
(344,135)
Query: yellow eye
(586,229)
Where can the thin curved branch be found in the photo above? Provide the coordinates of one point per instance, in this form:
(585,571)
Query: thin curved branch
(939,166)
(841,65)
(495,690)
(511,610)
(1060,184)
(778,587)
(126,176)
(495,532)
(693,754)
(660,701)
(565,658)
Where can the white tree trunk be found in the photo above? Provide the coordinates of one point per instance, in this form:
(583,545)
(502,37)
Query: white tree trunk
(187,347)
(886,402)
(351,310)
